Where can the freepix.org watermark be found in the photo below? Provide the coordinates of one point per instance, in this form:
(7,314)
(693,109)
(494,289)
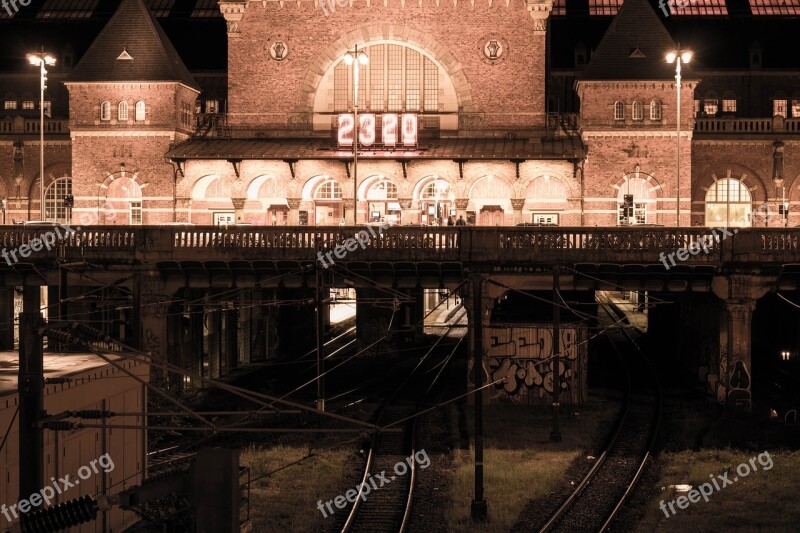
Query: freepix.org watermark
(11,6)
(362,489)
(704,243)
(331,6)
(60,486)
(718,482)
(48,240)
(361,238)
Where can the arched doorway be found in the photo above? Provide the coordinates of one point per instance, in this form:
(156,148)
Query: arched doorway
(436,202)
(645,200)
(270,197)
(545,201)
(54,208)
(728,203)
(382,201)
(490,198)
(328,204)
(212,201)
(124,202)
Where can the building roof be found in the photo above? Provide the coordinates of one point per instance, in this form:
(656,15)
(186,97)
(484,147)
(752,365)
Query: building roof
(449,149)
(132,47)
(633,47)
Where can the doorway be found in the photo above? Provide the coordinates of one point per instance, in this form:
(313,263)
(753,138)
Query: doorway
(492,215)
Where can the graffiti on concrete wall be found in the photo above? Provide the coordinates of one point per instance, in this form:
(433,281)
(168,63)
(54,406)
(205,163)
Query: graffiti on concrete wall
(521,355)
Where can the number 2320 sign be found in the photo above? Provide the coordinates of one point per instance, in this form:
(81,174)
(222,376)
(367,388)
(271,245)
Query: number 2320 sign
(395,129)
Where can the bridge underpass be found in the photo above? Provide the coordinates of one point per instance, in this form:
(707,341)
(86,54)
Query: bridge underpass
(253,282)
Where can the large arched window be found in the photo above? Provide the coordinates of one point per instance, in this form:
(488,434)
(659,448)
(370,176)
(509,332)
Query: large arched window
(728,203)
(396,78)
(329,190)
(54,208)
(382,190)
(638,110)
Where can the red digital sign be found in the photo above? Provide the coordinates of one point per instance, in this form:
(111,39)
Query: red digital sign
(394,129)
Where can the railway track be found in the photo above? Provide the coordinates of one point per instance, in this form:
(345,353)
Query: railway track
(390,462)
(600,495)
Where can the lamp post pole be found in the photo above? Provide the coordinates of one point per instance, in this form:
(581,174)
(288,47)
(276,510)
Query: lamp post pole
(678,126)
(679,57)
(355,137)
(41,60)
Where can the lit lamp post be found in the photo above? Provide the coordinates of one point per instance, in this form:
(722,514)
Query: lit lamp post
(41,60)
(678,57)
(355,58)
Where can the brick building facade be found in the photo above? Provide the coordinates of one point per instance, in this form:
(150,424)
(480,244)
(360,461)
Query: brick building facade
(517,121)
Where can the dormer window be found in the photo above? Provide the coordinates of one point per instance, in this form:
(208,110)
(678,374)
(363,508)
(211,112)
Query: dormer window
(105,111)
(638,111)
(655,110)
(619,111)
(711,104)
(140,111)
(122,111)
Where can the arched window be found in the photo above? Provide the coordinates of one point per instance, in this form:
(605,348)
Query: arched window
(140,111)
(329,190)
(619,111)
(122,111)
(382,190)
(105,111)
(396,78)
(638,111)
(728,203)
(436,190)
(54,208)
(655,110)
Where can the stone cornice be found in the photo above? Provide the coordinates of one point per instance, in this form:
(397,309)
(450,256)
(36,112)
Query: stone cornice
(641,134)
(233,13)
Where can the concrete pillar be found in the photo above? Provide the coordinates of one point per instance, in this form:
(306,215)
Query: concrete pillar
(735,357)
(153,321)
(6,318)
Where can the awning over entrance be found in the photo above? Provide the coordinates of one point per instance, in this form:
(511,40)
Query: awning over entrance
(467,149)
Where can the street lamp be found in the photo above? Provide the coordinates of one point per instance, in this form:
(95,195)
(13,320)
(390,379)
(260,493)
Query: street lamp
(41,60)
(678,57)
(355,58)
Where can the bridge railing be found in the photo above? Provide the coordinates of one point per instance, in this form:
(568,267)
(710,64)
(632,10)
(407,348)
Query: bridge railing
(454,243)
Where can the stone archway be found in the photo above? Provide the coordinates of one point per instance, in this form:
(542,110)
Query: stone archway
(385,32)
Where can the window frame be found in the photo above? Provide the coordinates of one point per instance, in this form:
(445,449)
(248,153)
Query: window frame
(637,113)
(619,110)
(140,111)
(105,111)
(656,111)
(122,111)
(134,210)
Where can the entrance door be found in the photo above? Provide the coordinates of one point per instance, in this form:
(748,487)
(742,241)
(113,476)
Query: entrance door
(224,218)
(328,215)
(492,215)
(277,216)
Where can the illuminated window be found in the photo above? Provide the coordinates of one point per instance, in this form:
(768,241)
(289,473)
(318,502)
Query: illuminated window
(186,115)
(11,104)
(604,7)
(559,7)
(696,107)
(212,106)
(655,110)
(435,190)
(729,102)
(28,104)
(54,208)
(396,78)
(779,105)
(775,7)
(48,108)
(105,111)
(619,111)
(728,203)
(711,103)
(698,7)
(140,111)
(122,111)
(638,111)
(383,190)
(136,213)
(329,190)
(796,106)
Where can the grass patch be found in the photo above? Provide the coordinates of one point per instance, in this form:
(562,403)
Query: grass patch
(520,462)
(287,500)
(759,502)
